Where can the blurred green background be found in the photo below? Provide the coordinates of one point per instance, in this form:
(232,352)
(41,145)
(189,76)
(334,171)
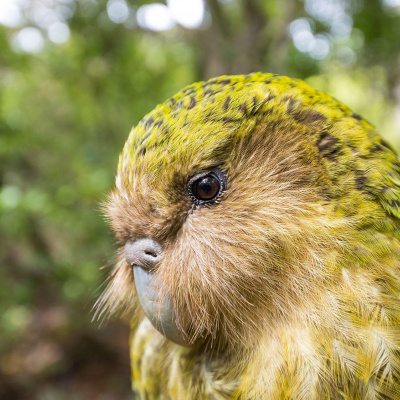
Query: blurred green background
(75,75)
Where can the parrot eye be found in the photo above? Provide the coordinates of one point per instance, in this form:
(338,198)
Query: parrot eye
(206,187)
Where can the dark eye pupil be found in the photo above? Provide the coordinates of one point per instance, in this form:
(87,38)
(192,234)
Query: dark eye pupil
(206,188)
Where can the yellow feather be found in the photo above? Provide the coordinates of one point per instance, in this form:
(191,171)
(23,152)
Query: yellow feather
(288,284)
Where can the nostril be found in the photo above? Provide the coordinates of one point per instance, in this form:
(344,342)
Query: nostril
(150,253)
(145,253)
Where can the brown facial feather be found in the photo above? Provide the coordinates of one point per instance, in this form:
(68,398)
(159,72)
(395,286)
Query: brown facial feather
(236,267)
(292,276)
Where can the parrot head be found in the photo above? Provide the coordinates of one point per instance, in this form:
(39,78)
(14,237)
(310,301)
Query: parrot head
(239,204)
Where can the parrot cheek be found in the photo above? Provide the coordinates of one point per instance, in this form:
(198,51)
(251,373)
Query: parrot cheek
(158,306)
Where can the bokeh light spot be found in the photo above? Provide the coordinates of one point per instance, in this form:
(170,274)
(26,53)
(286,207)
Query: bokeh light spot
(10,13)
(299,25)
(29,40)
(58,32)
(324,10)
(391,3)
(118,11)
(10,196)
(301,33)
(342,27)
(319,47)
(188,13)
(17,317)
(156,17)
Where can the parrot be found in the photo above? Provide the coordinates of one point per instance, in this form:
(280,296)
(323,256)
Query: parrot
(257,223)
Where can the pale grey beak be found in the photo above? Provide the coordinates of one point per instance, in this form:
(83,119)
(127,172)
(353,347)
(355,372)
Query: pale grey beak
(144,255)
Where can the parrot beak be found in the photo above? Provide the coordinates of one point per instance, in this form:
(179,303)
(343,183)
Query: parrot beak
(144,256)
(159,311)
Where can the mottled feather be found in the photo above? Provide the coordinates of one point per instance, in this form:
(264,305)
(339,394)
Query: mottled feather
(291,279)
